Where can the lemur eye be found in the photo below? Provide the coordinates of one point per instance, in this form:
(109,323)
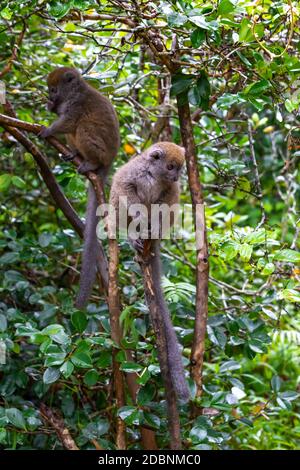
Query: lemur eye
(170,166)
(53,90)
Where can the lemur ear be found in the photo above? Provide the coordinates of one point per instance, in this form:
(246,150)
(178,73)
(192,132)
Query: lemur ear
(156,154)
(69,76)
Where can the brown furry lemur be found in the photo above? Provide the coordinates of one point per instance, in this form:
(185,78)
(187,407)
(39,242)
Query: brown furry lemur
(91,126)
(152,178)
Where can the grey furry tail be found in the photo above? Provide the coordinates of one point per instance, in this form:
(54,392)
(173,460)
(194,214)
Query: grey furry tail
(175,364)
(89,254)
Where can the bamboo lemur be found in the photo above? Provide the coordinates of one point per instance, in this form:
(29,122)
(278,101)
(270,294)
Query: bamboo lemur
(152,178)
(91,126)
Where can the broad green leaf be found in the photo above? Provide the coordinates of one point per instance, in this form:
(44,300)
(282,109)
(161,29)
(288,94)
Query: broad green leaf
(245,251)
(45,239)
(67,369)
(79,321)
(91,377)
(276,383)
(129,414)
(197,37)
(176,19)
(225,7)
(3,322)
(81,359)
(181,83)
(131,367)
(291,295)
(290,256)
(18,182)
(15,417)
(51,375)
(229,365)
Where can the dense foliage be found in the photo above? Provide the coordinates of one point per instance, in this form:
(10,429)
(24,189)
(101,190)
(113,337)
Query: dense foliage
(238,68)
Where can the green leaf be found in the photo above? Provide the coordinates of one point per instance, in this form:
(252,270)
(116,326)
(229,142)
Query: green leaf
(146,394)
(197,37)
(18,182)
(203,86)
(243,187)
(176,19)
(284,404)
(104,359)
(194,96)
(291,295)
(67,369)
(79,321)
(268,269)
(257,237)
(9,258)
(289,395)
(131,367)
(130,415)
(51,330)
(181,83)
(151,420)
(257,88)
(91,377)
(6,13)
(198,434)
(245,33)
(57,333)
(276,383)
(81,359)
(45,239)
(15,417)
(59,9)
(3,322)
(55,356)
(230,250)
(51,375)
(245,251)
(201,22)
(5,181)
(225,7)
(290,256)
(229,365)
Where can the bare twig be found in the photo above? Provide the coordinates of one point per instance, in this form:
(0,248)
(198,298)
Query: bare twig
(256,175)
(14,53)
(57,423)
(116,334)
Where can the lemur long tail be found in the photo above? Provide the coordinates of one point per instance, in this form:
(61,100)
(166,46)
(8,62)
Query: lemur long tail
(89,253)
(93,255)
(173,352)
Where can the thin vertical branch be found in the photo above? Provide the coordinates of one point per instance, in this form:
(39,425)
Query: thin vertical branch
(256,174)
(114,311)
(202,266)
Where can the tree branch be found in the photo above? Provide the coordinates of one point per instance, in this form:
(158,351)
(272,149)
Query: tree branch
(57,423)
